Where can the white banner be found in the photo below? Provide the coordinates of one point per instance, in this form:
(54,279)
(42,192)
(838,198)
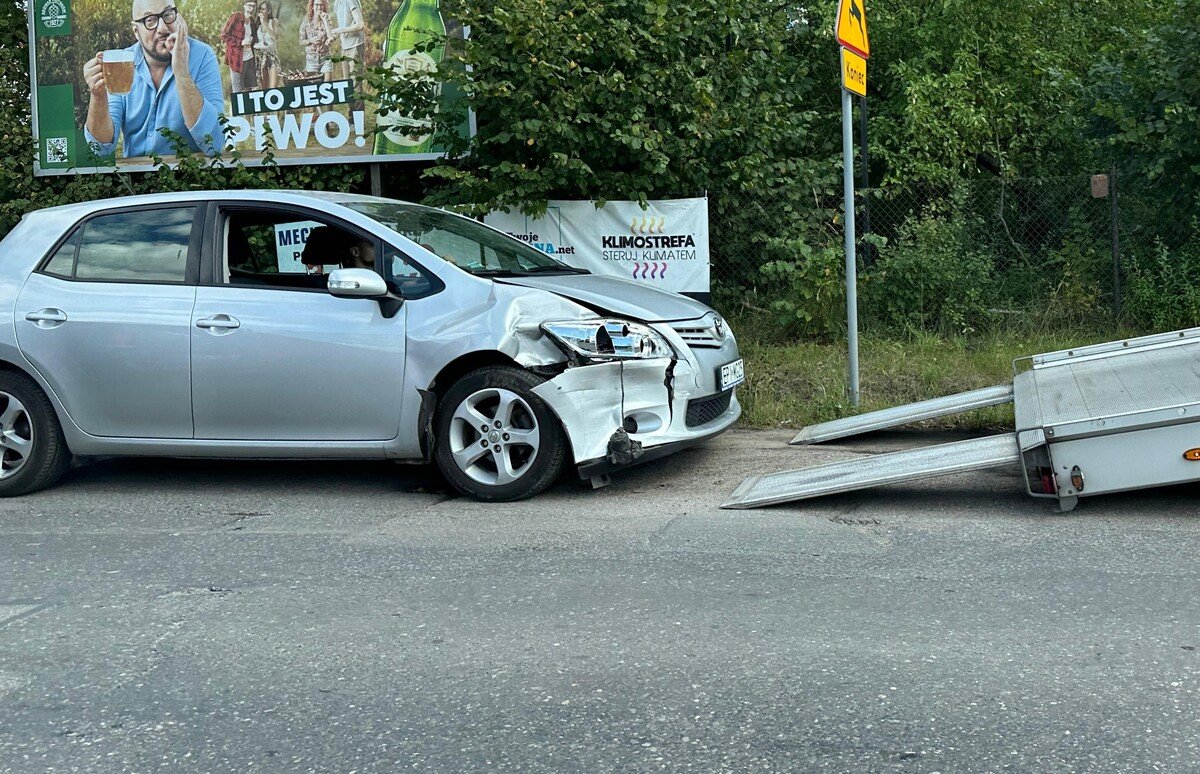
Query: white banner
(664,245)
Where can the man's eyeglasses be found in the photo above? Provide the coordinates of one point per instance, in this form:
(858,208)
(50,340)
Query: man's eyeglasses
(150,20)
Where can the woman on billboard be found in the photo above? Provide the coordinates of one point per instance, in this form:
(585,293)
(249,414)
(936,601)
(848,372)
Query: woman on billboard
(266,46)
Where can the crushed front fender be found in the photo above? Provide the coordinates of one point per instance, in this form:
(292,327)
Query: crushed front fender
(647,399)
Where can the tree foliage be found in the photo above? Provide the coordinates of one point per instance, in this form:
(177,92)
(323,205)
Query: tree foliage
(626,99)
(965,86)
(1144,95)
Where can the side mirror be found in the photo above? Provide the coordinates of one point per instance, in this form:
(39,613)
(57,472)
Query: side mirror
(364,283)
(356,283)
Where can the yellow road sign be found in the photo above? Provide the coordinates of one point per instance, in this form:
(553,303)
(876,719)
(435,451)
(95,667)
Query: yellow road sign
(852,27)
(854,73)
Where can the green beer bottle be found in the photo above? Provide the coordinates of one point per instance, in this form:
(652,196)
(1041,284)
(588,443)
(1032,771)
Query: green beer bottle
(415,22)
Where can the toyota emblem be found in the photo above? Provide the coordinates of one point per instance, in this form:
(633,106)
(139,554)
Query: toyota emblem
(719,328)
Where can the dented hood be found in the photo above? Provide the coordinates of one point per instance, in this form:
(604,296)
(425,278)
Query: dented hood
(613,295)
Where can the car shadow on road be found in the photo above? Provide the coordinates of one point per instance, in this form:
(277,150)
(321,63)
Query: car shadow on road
(198,476)
(272,476)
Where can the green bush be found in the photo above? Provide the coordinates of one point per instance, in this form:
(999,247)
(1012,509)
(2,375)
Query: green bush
(1163,289)
(932,277)
(805,286)
(1077,274)
(1062,277)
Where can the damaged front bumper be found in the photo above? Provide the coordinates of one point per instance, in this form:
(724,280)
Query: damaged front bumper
(622,413)
(601,467)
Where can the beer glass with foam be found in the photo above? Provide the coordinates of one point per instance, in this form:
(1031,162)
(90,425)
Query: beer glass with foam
(118,71)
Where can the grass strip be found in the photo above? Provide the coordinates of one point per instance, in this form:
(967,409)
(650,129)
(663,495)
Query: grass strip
(796,384)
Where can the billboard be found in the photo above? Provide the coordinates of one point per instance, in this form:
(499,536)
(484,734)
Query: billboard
(127,85)
(664,245)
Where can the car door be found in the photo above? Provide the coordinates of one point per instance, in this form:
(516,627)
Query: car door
(106,321)
(274,356)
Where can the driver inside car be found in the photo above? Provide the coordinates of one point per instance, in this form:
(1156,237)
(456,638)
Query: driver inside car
(361,255)
(327,246)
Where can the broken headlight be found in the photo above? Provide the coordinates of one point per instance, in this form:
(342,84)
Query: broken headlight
(608,339)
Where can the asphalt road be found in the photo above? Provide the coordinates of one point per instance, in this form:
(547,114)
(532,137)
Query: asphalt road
(196,616)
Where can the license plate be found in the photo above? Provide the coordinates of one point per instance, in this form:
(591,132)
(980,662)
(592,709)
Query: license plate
(732,374)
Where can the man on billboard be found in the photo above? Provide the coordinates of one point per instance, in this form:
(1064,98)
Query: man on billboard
(238,36)
(351,32)
(166,80)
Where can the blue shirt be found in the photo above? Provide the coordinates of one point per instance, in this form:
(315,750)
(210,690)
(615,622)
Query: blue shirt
(139,114)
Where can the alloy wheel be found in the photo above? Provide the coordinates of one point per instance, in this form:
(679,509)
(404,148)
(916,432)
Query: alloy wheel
(494,436)
(16,435)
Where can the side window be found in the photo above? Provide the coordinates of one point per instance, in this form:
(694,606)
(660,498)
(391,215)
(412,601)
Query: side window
(142,246)
(276,249)
(407,278)
(63,262)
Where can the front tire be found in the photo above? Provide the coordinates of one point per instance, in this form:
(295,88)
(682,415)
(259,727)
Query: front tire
(495,439)
(33,452)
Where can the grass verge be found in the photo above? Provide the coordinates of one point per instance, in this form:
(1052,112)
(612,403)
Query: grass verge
(792,385)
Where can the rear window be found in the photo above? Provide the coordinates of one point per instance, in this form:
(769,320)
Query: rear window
(137,246)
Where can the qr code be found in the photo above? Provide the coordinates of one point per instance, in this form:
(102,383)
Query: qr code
(56,150)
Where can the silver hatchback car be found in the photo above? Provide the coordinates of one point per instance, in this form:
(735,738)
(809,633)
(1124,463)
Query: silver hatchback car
(274,324)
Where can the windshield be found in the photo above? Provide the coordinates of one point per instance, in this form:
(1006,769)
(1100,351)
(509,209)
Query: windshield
(469,245)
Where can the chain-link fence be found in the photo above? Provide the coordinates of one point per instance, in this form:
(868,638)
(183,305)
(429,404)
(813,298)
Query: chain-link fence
(1083,250)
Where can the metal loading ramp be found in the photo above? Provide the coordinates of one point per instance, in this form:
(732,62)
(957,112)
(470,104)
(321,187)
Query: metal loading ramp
(903,415)
(878,470)
(1090,420)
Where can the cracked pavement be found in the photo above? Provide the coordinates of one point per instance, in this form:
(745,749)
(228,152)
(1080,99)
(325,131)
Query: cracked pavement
(298,616)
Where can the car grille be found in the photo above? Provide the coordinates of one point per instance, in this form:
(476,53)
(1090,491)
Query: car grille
(701,411)
(697,336)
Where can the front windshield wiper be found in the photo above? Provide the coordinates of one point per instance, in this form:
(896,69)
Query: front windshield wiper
(560,268)
(494,272)
(527,272)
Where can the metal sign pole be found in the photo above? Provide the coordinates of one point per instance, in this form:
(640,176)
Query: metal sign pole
(851,29)
(851,258)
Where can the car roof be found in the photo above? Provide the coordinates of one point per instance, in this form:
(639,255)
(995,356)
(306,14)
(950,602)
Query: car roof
(280,196)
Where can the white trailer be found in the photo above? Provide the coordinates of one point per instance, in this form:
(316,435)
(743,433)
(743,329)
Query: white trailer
(1089,421)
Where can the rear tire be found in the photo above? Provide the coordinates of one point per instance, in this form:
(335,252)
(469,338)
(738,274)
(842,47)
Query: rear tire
(495,440)
(33,452)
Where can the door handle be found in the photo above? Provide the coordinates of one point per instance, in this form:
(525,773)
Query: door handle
(222,321)
(47,318)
